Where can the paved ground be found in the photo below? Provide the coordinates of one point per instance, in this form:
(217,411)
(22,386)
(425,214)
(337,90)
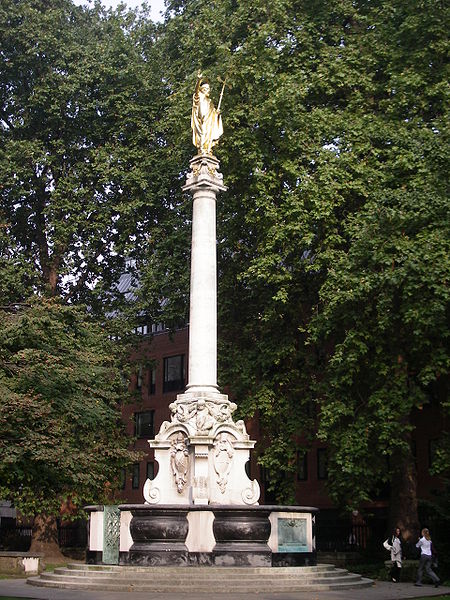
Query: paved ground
(380,591)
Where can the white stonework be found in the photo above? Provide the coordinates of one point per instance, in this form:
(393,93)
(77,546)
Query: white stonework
(200,536)
(96,531)
(30,565)
(126,541)
(201,451)
(203,182)
(195,468)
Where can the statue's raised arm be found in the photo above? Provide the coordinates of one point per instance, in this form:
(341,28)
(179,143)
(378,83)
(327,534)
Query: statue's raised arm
(206,120)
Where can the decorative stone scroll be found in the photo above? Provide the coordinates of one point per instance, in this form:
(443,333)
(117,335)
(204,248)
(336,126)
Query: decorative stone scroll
(152,494)
(251,494)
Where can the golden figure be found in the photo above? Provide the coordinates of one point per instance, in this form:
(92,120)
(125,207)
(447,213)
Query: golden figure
(206,120)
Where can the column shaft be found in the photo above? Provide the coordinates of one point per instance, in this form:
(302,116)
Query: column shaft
(203,294)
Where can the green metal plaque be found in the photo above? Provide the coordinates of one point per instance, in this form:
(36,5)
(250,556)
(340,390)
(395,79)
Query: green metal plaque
(292,536)
(111,535)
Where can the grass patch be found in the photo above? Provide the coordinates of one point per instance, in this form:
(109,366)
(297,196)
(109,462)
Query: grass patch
(15,598)
(53,566)
(444,597)
(375,571)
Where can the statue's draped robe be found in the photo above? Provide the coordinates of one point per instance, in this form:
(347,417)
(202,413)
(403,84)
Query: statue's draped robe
(206,123)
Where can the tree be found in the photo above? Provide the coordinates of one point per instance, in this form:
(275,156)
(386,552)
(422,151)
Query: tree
(79,175)
(61,437)
(334,120)
(383,307)
(258,330)
(78,108)
(284,108)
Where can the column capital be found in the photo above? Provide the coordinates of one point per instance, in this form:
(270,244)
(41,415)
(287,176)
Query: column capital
(204,174)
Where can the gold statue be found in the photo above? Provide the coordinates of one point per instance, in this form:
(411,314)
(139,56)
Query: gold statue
(206,121)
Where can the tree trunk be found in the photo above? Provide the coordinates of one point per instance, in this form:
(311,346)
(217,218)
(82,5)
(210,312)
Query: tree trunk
(45,537)
(403,511)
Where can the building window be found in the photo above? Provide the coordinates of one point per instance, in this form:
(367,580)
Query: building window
(144,424)
(302,466)
(322,463)
(173,373)
(141,330)
(269,495)
(135,477)
(151,470)
(139,377)
(152,381)
(122,478)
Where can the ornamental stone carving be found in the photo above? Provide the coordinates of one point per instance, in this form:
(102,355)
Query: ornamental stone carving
(204,421)
(152,494)
(223,458)
(251,494)
(179,461)
(200,489)
(202,415)
(205,174)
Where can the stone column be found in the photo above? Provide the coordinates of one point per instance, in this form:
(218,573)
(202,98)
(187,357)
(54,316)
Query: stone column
(201,451)
(203,182)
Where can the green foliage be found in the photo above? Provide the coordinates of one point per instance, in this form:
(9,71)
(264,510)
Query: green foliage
(16,277)
(333,238)
(61,437)
(383,307)
(78,113)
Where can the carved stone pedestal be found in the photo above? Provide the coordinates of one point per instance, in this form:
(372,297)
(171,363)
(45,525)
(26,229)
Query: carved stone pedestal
(213,535)
(202,455)
(241,537)
(159,537)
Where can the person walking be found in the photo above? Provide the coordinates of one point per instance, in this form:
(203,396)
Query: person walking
(394,544)
(426,555)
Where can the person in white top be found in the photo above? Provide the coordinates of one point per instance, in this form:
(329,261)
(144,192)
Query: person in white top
(426,554)
(394,544)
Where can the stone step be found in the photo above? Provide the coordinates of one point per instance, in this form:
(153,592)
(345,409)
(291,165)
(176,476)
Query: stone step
(196,572)
(206,579)
(194,569)
(200,579)
(363,583)
(275,587)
